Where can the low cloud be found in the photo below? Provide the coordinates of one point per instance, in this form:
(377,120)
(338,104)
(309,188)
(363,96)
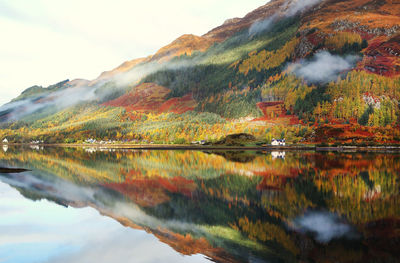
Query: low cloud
(288,9)
(261,26)
(73,95)
(59,99)
(323,67)
(295,6)
(325,226)
(69,193)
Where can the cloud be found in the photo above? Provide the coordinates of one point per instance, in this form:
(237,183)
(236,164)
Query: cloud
(323,67)
(46,232)
(73,95)
(70,193)
(47,41)
(261,25)
(58,99)
(325,226)
(289,8)
(295,6)
(85,230)
(58,188)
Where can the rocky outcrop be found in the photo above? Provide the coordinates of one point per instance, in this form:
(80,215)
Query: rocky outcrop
(303,48)
(345,25)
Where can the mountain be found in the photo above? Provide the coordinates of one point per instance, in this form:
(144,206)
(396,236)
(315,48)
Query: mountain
(314,71)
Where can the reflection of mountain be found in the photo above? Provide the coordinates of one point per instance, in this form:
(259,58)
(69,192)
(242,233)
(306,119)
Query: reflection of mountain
(6,170)
(153,191)
(236,156)
(226,210)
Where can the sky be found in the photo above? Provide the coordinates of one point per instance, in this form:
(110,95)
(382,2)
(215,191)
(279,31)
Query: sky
(46,41)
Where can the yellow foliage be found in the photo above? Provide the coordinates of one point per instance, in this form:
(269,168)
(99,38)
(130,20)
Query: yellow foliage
(338,40)
(268,59)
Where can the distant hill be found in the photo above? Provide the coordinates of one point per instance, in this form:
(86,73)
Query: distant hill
(289,69)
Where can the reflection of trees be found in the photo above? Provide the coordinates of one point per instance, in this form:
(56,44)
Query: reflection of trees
(242,208)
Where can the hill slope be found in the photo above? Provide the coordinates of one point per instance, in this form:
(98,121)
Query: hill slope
(310,71)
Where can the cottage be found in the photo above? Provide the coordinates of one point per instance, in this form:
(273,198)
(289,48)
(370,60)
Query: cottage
(90,140)
(5,141)
(202,142)
(276,142)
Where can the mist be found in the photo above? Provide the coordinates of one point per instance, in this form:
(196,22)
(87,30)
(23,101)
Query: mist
(56,188)
(95,91)
(81,233)
(296,6)
(261,26)
(68,193)
(324,226)
(288,9)
(323,67)
(59,99)
(98,91)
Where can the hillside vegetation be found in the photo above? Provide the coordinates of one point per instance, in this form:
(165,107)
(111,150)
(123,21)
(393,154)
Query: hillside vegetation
(286,70)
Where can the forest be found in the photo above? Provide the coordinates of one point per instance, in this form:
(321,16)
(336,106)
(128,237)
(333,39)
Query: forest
(229,88)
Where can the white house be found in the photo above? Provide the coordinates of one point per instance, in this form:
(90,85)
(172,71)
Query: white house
(202,142)
(5,140)
(276,142)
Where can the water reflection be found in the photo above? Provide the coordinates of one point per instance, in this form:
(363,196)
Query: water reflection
(276,155)
(325,226)
(42,231)
(229,206)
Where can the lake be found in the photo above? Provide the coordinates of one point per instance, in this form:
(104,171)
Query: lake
(118,205)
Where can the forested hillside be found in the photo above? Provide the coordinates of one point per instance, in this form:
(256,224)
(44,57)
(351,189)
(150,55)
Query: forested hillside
(316,71)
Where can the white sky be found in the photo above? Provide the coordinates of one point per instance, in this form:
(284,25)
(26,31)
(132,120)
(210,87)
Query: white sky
(43,42)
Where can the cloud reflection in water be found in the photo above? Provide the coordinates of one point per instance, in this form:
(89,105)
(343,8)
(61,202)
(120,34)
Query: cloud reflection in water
(43,231)
(324,225)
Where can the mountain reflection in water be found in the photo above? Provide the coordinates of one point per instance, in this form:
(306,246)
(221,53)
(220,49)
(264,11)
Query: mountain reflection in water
(228,206)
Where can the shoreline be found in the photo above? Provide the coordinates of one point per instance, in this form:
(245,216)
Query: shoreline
(219,148)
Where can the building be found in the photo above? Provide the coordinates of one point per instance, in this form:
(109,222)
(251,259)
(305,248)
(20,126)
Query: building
(5,140)
(276,142)
(202,142)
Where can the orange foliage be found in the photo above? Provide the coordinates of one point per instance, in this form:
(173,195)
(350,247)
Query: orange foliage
(185,44)
(150,97)
(188,245)
(149,192)
(383,56)
(179,105)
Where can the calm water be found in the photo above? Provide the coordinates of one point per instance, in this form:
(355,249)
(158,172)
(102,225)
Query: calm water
(88,205)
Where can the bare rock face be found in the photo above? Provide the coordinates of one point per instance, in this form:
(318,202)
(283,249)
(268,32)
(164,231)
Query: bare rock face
(343,25)
(303,48)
